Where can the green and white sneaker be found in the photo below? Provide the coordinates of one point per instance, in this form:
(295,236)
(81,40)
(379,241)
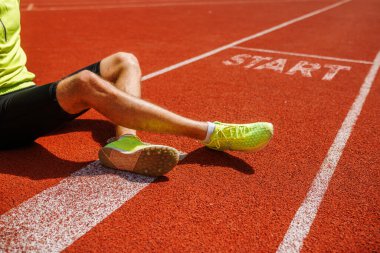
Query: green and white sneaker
(129,153)
(240,137)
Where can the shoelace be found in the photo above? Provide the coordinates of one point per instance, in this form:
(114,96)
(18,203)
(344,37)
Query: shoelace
(235,132)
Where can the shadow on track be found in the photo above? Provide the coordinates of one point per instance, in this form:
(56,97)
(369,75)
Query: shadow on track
(207,157)
(101,129)
(36,162)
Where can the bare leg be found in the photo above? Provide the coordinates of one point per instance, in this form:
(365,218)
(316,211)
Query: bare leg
(123,71)
(88,90)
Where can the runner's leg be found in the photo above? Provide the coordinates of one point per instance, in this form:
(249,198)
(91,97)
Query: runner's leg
(87,90)
(123,70)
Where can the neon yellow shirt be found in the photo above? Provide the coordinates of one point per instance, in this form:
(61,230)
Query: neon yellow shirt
(13,73)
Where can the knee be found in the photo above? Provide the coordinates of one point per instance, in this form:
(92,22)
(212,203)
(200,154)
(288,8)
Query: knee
(84,90)
(127,61)
(73,92)
(89,84)
(84,81)
(85,77)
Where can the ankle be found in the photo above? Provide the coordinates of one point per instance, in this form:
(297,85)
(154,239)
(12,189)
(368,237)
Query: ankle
(123,131)
(198,130)
(210,130)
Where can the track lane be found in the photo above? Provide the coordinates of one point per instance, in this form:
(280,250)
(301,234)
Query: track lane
(348,219)
(305,215)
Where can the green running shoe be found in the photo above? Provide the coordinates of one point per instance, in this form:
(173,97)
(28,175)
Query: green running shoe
(240,137)
(129,153)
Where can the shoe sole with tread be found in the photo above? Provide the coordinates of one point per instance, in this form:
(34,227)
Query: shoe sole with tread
(154,160)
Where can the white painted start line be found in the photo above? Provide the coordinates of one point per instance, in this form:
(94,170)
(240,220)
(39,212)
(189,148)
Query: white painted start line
(117,5)
(55,218)
(303,55)
(300,226)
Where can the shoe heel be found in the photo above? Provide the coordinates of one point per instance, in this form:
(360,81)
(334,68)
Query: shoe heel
(103,155)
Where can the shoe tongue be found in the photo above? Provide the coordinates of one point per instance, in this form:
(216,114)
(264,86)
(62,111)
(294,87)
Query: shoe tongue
(127,142)
(129,136)
(130,139)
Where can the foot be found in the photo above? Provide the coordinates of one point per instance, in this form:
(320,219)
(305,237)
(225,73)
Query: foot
(240,137)
(129,153)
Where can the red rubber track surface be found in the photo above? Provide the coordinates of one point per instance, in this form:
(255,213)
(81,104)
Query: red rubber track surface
(350,212)
(218,201)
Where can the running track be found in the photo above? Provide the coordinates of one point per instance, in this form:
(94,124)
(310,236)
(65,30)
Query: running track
(212,201)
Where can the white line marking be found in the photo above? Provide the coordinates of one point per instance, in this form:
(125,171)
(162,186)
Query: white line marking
(30,7)
(303,219)
(55,218)
(254,36)
(304,55)
(106,5)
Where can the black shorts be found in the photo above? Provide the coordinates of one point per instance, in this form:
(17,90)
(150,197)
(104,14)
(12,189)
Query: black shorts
(32,112)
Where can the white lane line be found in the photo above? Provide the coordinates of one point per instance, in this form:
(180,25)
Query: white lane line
(55,218)
(303,55)
(304,217)
(235,43)
(30,7)
(30,226)
(91,6)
